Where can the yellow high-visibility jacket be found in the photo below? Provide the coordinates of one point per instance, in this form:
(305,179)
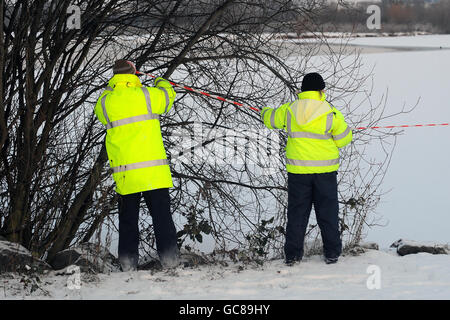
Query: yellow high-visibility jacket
(315,132)
(134,143)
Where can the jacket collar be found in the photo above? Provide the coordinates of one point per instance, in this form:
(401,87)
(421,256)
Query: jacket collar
(313,95)
(125,80)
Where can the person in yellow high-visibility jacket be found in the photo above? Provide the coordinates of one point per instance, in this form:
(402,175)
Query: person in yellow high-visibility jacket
(316,131)
(138,159)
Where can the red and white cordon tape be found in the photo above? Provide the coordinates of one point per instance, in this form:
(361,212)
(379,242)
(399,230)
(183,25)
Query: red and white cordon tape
(204,93)
(258,110)
(405,126)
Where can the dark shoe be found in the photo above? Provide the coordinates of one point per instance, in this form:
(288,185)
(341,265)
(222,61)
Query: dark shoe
(128,264)
(331,260)
(170,261)
(291,261)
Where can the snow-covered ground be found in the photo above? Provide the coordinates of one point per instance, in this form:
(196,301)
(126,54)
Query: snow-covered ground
(372,275)
(416,208)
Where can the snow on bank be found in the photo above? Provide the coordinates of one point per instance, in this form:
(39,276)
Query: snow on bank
(418,276)
(413,42)
(421,41)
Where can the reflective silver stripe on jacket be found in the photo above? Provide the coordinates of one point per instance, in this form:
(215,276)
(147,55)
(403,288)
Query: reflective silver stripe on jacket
(288,115)
(312,163)
(167,98)
(342,135)
(134,119)
(147,99)
(140,165)
(310,135)
(272,118)
(263,113)
(329,124)
(288,124)
(105,114)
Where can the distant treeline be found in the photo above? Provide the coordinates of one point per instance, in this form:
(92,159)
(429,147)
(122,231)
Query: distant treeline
(396,16)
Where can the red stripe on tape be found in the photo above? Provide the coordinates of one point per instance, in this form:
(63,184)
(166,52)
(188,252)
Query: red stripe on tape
(204,93)
(405,126)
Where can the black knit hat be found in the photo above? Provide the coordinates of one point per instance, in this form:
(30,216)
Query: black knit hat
(312,82)
(123,66)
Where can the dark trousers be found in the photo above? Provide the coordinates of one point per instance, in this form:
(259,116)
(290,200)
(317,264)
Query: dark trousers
(304,191)
(158,202)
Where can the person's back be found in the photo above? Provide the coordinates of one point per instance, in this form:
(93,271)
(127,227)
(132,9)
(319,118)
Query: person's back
(135,147)
(137,157)
(316,131)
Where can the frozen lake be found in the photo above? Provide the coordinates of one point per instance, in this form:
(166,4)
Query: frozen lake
(366,45)
(419,174)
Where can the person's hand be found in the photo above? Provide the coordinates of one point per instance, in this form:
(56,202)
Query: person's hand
(158,80)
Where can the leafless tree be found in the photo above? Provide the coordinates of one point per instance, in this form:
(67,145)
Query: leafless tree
(56,189)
